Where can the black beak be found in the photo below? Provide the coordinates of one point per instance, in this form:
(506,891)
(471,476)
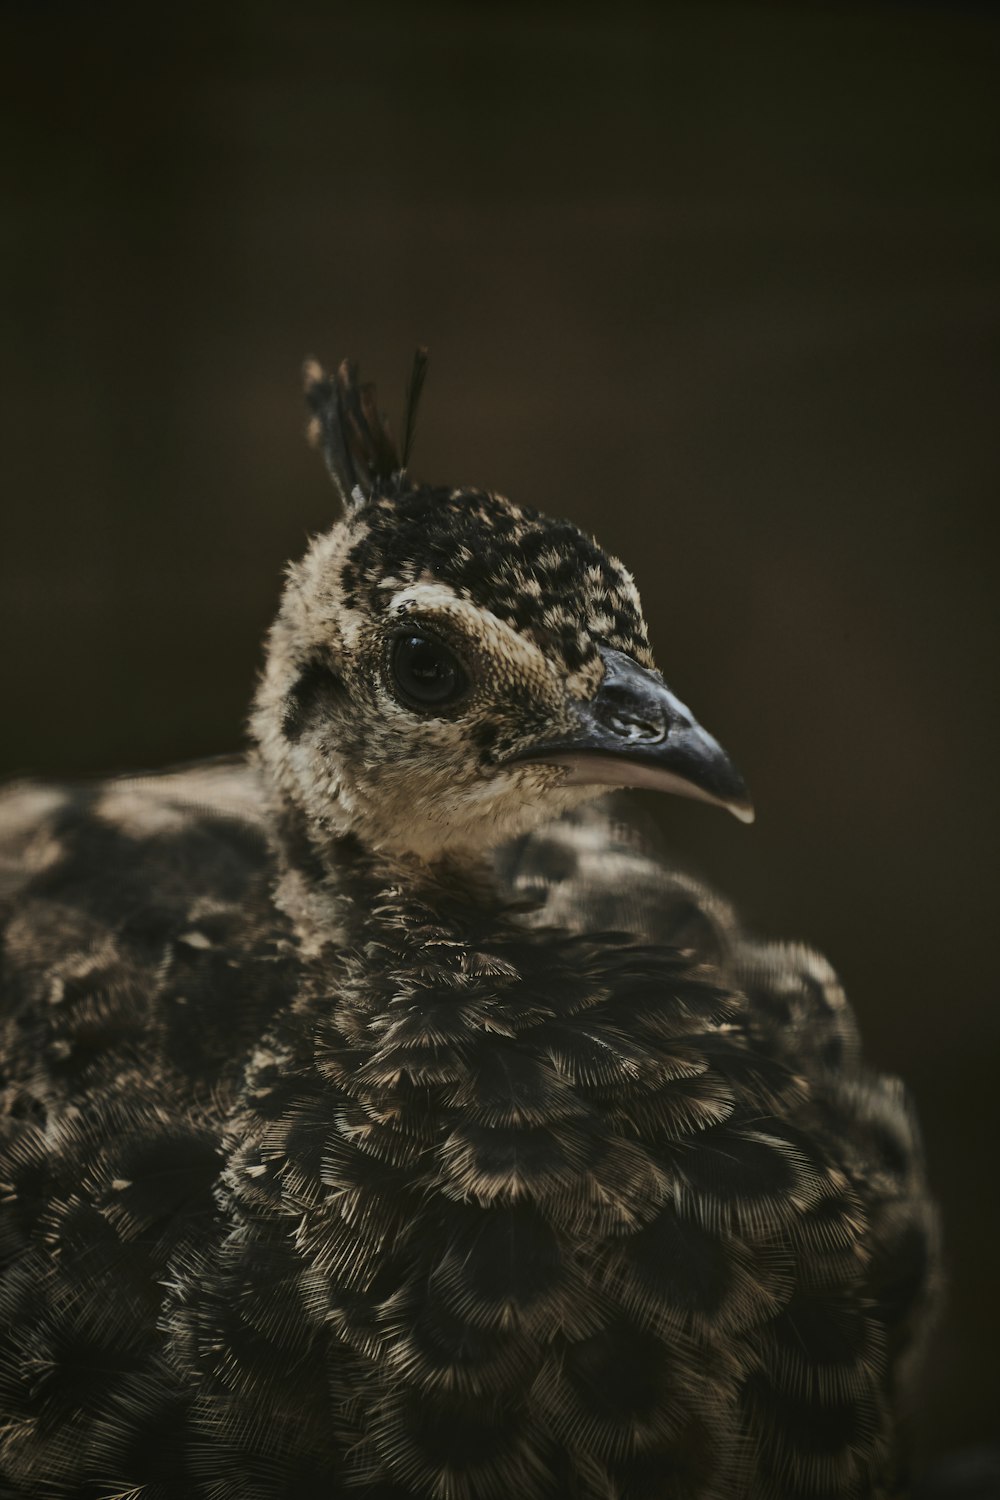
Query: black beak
(634,732)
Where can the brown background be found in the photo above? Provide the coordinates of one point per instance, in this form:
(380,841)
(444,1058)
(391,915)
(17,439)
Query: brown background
(718,281)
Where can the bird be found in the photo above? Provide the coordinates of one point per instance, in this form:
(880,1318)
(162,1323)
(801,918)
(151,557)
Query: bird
(384,1115)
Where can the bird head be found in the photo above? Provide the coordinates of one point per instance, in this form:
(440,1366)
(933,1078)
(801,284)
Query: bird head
(449,669)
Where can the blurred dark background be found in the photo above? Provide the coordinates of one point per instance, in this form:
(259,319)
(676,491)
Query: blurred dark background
(720,282)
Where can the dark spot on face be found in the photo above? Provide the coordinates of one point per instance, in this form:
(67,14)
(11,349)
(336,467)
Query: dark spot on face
(484,736)
(317,684)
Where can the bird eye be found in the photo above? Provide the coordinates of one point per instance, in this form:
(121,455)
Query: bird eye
(426,673)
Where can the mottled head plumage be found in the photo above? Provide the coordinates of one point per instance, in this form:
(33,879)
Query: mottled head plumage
(540,627)
(541,576)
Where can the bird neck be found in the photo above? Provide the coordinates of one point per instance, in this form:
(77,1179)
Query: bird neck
(328,888)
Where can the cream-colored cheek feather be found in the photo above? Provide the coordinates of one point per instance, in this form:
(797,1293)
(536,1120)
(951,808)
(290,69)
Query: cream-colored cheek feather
(417,818)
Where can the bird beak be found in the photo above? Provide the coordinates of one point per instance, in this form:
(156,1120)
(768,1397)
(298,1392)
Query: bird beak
(635,733)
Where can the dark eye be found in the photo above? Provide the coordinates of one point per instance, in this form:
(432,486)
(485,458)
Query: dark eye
(427,674)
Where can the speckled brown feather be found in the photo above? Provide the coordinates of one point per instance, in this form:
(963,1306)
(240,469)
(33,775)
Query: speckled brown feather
(331,1168)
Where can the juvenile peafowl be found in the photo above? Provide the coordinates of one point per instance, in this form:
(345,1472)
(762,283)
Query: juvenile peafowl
(383,1120)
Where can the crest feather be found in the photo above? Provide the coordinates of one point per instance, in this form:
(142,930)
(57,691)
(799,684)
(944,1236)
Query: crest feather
(353,435)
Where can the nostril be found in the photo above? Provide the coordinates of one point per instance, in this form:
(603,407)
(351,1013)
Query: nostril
(648,728)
